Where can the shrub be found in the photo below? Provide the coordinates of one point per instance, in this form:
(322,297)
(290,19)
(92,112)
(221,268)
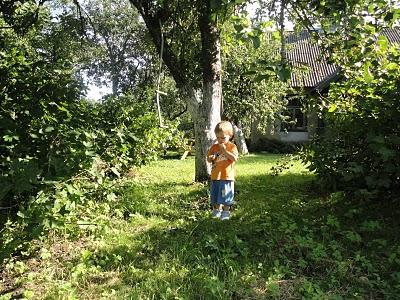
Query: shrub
(359,152)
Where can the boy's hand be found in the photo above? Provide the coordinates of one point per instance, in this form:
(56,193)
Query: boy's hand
(222,147)
(212,157)
(215,155)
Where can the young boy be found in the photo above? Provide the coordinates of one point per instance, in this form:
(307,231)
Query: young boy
(223,155)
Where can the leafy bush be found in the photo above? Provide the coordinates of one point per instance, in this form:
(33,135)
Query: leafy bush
(48,132)
(36,95)
(90,163)
(359,151)
(136,136)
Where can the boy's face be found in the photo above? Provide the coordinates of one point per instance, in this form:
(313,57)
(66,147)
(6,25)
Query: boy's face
(222,138)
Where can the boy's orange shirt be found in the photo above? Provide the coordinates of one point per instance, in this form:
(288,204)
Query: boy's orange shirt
(222,167)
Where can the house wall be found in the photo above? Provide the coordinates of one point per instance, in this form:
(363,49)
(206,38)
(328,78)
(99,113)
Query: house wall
(292,137)
(274,131)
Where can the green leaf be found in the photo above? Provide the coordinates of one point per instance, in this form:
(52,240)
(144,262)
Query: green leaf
(383,42)
(70,188)
(386,153)
(379,139)
(261,77)
(238,27)
(87,144)
(115,171)
(90,153)
(62,108)
(10,138)
(367,74)
(256,41)
(215,4)
(371,8)
(332,108)
(49,129)
(396,15)
(284,73)
(276,35)
(392,66)
(21,214)
(250,72)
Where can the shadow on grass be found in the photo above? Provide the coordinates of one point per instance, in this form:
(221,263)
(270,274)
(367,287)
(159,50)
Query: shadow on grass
(281,233)
(169,200)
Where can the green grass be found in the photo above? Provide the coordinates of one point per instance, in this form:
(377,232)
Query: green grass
(284,241)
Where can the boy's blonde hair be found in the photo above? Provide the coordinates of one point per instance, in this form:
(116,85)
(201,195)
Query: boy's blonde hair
(225,127)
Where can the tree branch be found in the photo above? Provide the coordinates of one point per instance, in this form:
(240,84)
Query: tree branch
(151,17)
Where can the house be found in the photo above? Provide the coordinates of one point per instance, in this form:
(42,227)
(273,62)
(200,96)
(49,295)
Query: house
(312,80)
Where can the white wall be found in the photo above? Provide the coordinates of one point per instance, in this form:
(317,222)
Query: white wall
(293,136)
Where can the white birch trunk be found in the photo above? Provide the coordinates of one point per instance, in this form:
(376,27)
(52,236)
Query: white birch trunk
(240,140)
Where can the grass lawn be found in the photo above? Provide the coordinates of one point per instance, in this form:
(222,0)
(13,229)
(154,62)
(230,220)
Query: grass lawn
(158,241)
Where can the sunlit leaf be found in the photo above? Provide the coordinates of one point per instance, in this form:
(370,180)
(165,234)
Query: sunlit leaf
(49,129)
(284,73)
(383,42)
(332,108)
(367,74)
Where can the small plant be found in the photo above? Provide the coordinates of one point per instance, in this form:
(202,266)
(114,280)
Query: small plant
(284,164)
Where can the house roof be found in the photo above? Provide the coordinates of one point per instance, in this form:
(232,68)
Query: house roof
(392,34)
(313,69)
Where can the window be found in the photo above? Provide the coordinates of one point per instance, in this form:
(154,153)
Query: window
(296,119)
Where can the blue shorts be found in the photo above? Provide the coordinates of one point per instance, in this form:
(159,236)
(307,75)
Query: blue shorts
(222,192)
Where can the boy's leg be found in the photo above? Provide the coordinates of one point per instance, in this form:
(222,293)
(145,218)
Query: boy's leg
(216,212)
(225,214)
(214,190)
(228,195)
(217,206)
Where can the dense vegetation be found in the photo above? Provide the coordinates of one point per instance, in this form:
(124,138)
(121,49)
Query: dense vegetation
(359,152)
(57,148)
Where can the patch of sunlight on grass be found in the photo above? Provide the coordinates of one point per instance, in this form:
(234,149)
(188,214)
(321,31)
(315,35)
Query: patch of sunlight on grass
(170,170)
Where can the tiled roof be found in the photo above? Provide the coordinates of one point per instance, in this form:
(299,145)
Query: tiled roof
(313,70)
(310,67)
(392,34)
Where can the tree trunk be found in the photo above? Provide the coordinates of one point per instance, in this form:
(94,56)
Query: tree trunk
(115,84)
(209,111)
(239,139)
(204,106)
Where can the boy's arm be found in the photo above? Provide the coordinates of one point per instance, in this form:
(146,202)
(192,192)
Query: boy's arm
(232,155)
(211,155)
